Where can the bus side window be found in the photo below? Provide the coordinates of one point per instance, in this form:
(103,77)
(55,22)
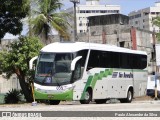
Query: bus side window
(143,61)
(130,61)
(94,59)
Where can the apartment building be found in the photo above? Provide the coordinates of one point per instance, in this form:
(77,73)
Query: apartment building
(91,8)
(142,19)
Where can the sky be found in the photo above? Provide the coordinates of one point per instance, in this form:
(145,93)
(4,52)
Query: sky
(126,5)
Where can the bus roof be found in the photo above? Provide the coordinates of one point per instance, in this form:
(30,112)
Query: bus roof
(62,47)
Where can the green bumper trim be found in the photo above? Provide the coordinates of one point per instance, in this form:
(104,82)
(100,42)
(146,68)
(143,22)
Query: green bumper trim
(91,82)
(68,95)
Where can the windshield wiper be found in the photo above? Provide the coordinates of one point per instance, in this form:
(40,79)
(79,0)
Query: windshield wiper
(57,82)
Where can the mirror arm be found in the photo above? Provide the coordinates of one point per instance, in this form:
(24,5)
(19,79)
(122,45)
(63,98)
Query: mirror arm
(74,62)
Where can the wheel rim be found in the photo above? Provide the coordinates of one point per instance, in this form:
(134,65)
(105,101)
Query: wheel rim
(129,95)
(87,96)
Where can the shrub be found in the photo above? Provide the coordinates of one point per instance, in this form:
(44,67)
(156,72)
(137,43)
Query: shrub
(13,96)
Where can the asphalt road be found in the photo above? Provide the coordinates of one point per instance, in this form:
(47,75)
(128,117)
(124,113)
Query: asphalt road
(137,110)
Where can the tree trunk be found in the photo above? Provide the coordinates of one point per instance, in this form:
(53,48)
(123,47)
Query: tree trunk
(25,88)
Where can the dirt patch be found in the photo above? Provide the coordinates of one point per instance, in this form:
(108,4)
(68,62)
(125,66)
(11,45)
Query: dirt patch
(143,98)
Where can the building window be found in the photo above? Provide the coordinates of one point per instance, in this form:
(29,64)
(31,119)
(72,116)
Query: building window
(81,31)
(80,24)
(153,13)
(122,43)
(138,15)
(131,17)
(102,11)
(82,11)
(116,11)
(97,11)
(146,13)
(136,22)
(93,11)
(143,20)
(88,11)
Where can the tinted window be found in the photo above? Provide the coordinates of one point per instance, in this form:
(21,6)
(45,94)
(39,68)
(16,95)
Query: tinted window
(139,61)
(83,53)
(103,59)
(107,59)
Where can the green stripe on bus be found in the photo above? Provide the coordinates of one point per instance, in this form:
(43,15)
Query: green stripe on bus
(91,82)
(94,80)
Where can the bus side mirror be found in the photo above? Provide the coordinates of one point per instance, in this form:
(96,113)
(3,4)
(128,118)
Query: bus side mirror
(74,61)
(31,62)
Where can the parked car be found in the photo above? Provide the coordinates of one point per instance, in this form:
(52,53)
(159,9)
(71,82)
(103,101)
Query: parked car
(151,86)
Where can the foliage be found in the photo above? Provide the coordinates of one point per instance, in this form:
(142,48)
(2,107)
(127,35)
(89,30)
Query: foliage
(13,96)
(16,59)
(46,18)
(156,21)
(11,13)
(19,54)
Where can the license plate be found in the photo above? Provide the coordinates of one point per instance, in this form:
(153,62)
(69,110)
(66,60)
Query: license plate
(50,96)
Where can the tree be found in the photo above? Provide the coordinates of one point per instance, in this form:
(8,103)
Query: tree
(16,61)
(156,21)
(46,18)
(11,13)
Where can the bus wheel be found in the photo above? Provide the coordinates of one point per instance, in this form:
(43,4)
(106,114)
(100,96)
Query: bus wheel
(54,102)
(100,101)
(87,97)
(129,97)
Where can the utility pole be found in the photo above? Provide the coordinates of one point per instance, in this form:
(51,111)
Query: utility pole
(75,20)
(156,65)
(29,19)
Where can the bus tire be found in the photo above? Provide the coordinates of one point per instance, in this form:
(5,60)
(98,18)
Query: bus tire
(54,102)
(129,97)
(87,98)
(101,101)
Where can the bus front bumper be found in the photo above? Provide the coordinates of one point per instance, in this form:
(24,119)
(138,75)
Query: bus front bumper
(66,95)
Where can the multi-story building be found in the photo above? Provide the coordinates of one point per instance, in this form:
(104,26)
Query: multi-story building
(143,18)
(114,30)
(91,8)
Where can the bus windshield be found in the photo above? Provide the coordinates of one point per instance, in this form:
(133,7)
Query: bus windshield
(54,69)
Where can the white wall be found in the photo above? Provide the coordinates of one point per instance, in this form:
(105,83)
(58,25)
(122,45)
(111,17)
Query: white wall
(6,85)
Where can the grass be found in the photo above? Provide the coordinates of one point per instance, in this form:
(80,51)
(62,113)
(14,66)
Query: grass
(2,98)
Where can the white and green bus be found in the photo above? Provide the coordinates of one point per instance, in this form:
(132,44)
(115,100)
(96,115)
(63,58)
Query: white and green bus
(89,72)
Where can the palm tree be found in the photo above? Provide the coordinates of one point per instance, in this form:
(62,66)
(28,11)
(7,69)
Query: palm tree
(47,18)
(156,21)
